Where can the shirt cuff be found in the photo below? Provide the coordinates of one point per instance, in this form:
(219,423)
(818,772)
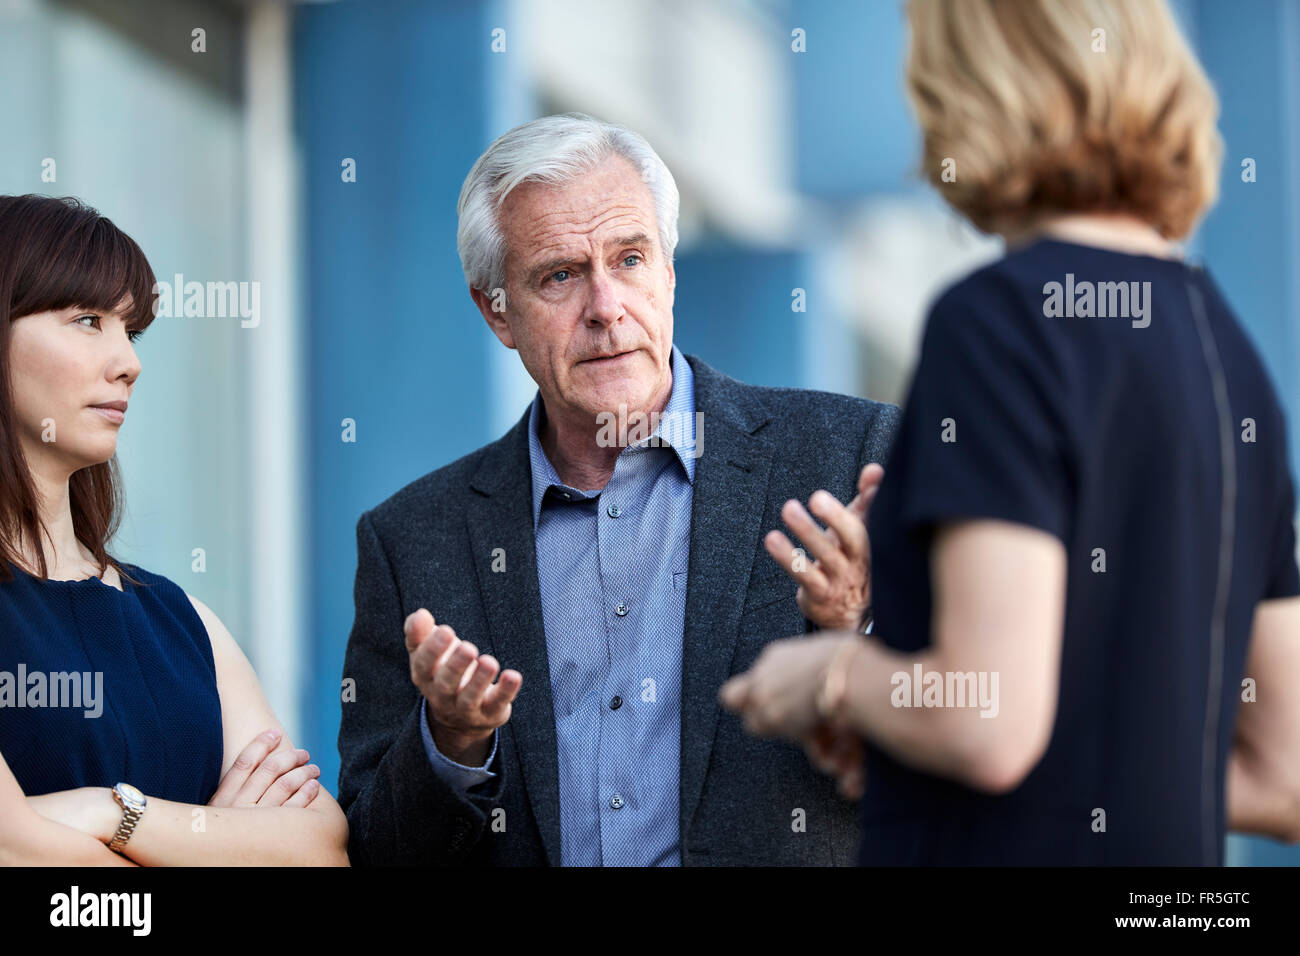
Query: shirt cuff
(458,775)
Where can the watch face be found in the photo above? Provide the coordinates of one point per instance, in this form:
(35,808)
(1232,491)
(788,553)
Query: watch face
(130,794)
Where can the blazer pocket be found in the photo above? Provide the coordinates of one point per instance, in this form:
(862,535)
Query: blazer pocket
(768,590)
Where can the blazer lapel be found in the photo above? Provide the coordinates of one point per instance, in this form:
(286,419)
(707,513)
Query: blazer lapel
(499,515)
(729,494)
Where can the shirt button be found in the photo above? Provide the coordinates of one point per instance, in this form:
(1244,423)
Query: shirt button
(616,801)
(613,511)
(621,610)
(616,703)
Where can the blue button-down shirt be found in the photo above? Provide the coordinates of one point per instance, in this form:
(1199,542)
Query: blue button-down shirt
(611,568)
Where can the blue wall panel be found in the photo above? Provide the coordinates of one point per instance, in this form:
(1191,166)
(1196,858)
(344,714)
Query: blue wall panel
(394,341)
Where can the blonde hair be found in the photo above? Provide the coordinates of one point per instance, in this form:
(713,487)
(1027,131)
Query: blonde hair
(1037,107)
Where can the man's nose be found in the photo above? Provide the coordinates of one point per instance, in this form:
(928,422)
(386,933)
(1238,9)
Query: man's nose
(603,305)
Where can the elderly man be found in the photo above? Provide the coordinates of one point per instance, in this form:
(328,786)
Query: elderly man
(608,551)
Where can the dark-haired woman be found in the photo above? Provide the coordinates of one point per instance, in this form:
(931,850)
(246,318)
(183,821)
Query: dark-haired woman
(132,728)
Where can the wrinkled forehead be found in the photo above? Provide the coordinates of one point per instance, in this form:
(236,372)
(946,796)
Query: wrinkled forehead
(607,202)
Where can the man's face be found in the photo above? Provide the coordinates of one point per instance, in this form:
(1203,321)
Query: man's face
(589,293)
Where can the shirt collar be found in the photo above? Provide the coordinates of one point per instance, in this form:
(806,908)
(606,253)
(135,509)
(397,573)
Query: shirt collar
(675,429)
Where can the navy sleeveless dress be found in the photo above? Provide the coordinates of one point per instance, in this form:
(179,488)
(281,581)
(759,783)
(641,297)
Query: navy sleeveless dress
(99,686)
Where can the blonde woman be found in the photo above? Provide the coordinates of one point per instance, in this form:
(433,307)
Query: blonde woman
(1084,542)
(132,728)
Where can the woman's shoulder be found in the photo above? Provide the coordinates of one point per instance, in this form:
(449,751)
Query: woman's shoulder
(204,626)
(1002,292)
(998,306)
(176,597)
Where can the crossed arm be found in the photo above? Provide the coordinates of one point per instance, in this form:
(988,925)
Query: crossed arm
(268,811)
(29,839)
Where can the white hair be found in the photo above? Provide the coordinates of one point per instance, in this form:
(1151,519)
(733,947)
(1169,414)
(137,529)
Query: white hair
(554,150)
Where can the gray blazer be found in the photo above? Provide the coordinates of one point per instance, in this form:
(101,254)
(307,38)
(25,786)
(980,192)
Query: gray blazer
(431,545)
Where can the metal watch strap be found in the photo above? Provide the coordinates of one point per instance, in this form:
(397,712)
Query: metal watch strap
(130,816)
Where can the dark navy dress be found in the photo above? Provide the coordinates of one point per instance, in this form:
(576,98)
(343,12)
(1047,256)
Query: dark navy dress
(155,721)
(1156,453)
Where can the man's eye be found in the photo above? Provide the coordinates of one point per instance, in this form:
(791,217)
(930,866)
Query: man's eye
(557,275)
(631,256)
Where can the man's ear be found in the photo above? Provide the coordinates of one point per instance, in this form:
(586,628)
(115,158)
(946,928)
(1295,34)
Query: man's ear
(495,317)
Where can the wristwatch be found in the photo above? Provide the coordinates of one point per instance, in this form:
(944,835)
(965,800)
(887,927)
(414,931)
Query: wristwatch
(132,803)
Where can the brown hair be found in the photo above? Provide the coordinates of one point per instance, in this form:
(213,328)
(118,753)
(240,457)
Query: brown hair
(1059,106)
(59,254)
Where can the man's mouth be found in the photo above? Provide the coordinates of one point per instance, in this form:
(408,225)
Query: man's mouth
(607,358)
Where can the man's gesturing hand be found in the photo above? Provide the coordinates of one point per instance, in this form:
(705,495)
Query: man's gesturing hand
(835,588)
(464,706)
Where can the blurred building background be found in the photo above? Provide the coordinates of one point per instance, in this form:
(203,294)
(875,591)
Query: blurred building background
(221,135)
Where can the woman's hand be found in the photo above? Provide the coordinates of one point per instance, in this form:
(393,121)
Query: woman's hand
(260,777)
(839,754)
(835,588)
(777,697)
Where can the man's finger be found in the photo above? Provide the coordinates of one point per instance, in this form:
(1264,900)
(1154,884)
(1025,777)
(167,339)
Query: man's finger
(808,574)
(868,480)
(871,477)
(784,553)
(815,587)
(847,525)
(424,661)
(798,520)
(471,695)
(417,627)
(499,696)
(451,669)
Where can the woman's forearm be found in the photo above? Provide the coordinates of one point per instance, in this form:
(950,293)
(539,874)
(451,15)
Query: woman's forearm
(910,734)
(41,842)
(957,742)
(179,834)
